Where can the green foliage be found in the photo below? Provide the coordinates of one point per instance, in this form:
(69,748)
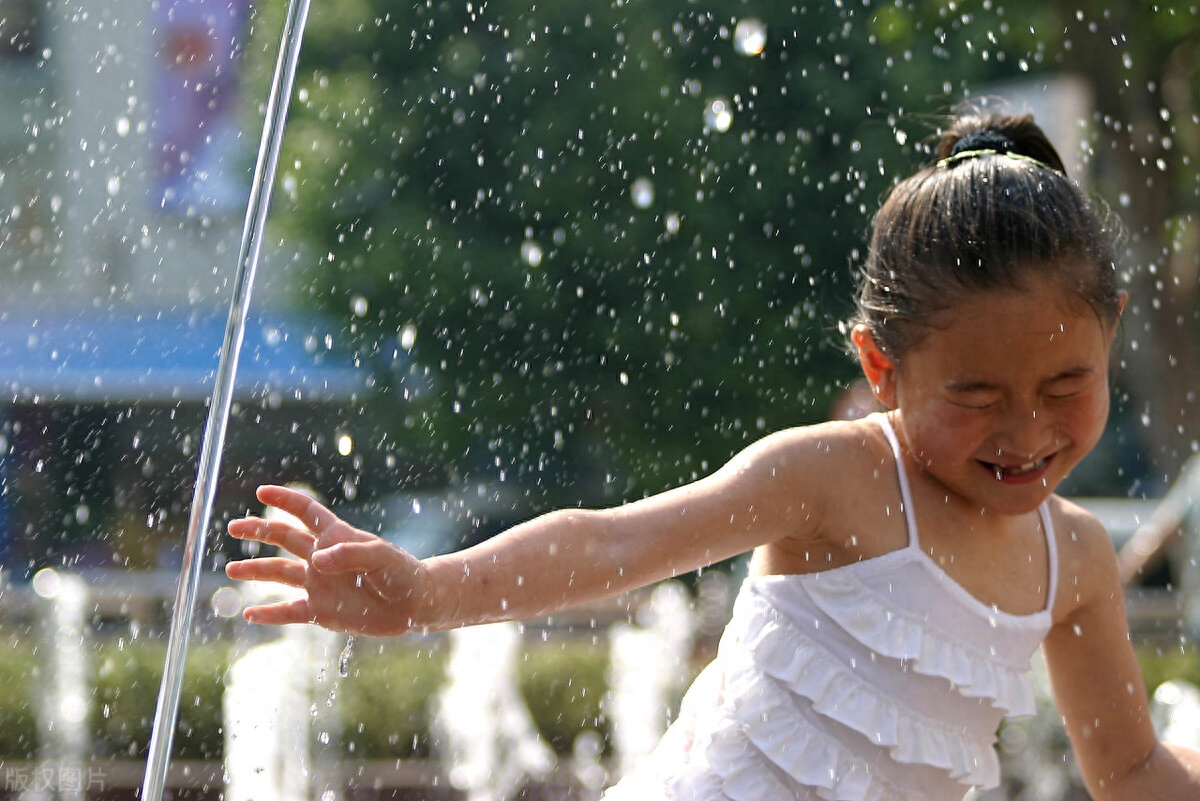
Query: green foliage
(127,679)
(564,685)
(475,173)
(1161,664)
(19,672)
(384,703)
(467,172)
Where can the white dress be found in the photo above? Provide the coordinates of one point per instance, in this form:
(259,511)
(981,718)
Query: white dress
(883,680)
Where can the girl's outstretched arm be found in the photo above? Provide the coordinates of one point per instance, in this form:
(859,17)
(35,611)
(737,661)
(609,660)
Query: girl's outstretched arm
(356,582)
(1097,682)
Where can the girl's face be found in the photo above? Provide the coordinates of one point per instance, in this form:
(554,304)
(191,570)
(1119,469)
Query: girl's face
(1003,397)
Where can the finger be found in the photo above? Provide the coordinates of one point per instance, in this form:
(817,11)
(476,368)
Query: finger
(279,614)
(300,505)
(274,532)
(279,570)
(359,557)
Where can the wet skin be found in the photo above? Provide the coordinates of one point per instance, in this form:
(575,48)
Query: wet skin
(1006,393)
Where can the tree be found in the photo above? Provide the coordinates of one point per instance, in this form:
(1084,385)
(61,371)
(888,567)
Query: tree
(617,239)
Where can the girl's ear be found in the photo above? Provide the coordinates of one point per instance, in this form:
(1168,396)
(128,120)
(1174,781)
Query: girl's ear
(877,366)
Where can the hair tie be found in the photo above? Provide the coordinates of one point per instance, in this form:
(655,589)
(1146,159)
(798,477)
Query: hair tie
(986,139)
(987,143)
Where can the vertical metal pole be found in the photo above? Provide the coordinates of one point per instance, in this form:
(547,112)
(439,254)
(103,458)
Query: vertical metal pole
(163,730)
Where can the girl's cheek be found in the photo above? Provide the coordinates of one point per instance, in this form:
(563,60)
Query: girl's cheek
(949,432)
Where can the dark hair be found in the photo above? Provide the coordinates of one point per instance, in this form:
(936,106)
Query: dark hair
(996,210)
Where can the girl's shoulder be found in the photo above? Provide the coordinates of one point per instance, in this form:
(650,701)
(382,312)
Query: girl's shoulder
(1076,529)
(828,469)
(829,465)
(1087,556)
(826,447)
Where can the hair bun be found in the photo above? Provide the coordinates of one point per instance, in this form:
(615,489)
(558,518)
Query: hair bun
(986,139)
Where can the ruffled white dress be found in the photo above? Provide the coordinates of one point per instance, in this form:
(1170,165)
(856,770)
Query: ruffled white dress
(883,680)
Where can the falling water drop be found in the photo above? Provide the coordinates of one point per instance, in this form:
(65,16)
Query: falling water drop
(408,336)
(344,658)
(531,253)
(718,116)
(750,37)
(642,193)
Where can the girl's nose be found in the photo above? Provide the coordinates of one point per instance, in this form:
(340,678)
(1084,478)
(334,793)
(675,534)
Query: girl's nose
(1025,434)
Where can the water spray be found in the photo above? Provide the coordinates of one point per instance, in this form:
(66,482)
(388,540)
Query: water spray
(162,732)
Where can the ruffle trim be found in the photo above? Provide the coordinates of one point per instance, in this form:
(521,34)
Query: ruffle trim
(842,696)
(744,762)
(892,632)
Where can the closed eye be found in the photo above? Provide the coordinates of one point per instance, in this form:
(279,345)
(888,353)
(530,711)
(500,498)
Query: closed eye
(975,399)
(1067,386)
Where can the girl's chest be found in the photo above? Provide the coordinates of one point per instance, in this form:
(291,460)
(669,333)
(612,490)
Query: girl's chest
(1003,564)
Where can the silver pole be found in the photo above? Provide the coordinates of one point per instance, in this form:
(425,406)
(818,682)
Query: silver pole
(162,732)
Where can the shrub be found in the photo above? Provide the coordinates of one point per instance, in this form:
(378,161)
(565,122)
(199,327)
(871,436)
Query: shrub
(127,679)
(19,672)
(564,685)
(1161,664)
(384,702)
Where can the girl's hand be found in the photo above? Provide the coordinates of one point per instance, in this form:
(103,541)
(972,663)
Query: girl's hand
(353,581)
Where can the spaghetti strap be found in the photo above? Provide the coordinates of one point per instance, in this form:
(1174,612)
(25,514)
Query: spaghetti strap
(910,519)
(1051,553)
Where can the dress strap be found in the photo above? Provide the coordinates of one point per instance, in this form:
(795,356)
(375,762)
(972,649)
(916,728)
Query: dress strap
(1051,552)
(910,519)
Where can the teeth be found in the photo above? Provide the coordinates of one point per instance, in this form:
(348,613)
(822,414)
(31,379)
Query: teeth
(1016,471)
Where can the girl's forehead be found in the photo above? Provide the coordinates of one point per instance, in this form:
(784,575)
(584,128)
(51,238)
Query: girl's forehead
(1044,305)
(1015,328)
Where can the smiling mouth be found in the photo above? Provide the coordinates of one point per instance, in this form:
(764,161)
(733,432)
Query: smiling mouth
(1018,472)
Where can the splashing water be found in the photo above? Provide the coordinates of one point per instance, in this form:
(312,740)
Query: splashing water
(344,658)
(166,712)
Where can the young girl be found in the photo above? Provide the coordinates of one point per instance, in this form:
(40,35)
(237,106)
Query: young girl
(906,565)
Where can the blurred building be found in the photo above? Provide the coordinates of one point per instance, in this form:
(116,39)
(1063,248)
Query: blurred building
(127,142)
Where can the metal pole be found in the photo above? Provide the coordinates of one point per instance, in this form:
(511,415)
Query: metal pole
(162,732)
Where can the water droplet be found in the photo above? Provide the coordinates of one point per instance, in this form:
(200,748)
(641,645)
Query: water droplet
(47,583)
(344,659)
(531,253)
(718,115)
(642,193)
(359,305)
(750,36)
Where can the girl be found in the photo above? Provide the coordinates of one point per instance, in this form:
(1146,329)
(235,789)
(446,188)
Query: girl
(906,565)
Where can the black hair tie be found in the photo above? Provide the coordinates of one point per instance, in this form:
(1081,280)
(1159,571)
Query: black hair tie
(988,143)
(986,139)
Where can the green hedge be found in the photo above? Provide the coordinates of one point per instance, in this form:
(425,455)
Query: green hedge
(564,685)
(126,681)
(19,676)
(1161,664)
(384,703)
